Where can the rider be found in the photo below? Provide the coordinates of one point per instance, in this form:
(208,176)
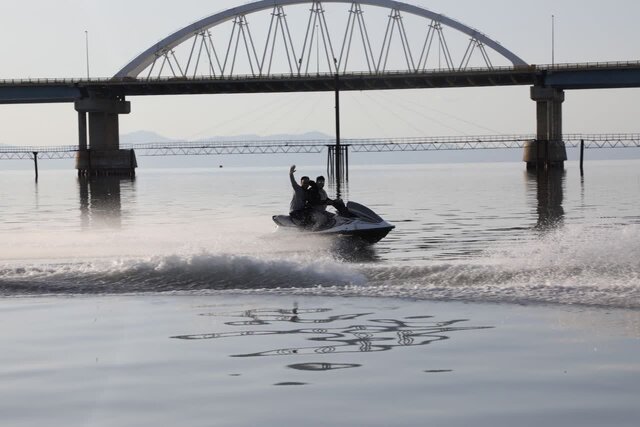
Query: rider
(325,200)
(316,214)
(297,209)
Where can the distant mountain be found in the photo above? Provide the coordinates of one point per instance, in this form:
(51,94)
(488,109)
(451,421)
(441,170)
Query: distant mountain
(142,136)
(307,136)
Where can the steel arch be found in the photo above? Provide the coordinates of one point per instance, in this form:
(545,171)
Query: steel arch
(146,58)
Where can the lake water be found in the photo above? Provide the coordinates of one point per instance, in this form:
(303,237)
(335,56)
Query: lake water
(501,298)
(473,232)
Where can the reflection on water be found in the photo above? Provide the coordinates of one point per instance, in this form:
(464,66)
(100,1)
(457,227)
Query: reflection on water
(323,366)
(290,383)
(368,335)
(100,200)
(549,187)
(348,249)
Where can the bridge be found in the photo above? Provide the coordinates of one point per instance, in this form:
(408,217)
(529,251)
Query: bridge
(605,75)
(304,45)
(356,145)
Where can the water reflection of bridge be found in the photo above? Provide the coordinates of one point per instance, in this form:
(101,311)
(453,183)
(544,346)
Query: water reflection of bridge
(101,201)
(549,195)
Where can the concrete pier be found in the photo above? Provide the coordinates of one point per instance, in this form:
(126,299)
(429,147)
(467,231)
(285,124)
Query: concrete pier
(548,149)
(100,153)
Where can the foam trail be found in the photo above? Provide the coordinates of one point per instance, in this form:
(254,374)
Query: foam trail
(201,271)
(573,265)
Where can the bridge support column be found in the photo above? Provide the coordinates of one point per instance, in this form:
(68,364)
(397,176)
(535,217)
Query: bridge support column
(103,156)
(548,149)
(82,131)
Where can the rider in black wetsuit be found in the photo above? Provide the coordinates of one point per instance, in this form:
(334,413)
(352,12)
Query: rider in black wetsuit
(298,210)
(324,200)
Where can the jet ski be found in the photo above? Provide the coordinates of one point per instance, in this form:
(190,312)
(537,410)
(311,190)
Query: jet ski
(358,221)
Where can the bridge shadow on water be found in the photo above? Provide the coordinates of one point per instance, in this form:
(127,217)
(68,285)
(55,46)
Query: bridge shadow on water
(101,200)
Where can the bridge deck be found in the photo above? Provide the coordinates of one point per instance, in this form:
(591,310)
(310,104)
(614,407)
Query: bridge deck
(562,76)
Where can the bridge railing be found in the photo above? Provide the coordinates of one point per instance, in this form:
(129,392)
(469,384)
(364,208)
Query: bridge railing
(169,148)
(587,65)
(83,81)
(38,148)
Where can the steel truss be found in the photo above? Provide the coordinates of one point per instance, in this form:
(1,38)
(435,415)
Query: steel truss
(42,152)
(314,45)
(373,145)
(219,148)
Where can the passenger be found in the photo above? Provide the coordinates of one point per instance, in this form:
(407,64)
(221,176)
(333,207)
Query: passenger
(325,200)
(313,196)
(298,209)
(316,215)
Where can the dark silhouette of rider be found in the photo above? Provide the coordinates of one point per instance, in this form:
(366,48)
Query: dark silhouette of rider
(298,209)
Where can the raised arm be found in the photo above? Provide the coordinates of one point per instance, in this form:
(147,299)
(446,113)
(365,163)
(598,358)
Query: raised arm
(294,184)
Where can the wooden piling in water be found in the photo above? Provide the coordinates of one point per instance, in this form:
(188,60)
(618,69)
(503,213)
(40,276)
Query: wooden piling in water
(35,163)
(581,156)
(338,153)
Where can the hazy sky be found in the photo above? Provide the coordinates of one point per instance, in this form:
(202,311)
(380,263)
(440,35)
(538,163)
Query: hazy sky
(47,39)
